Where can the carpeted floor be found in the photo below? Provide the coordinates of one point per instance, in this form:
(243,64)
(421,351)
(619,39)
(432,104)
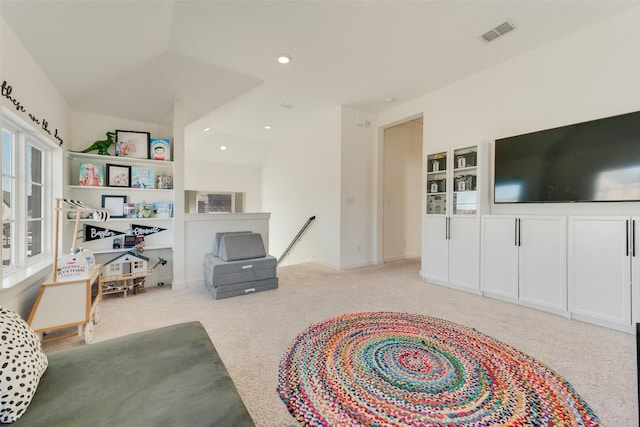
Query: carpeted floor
(253,332)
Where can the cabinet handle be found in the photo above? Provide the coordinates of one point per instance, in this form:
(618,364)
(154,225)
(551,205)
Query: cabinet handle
(633,237)
(519,232)
(515,232)
(627,245)
(447,229)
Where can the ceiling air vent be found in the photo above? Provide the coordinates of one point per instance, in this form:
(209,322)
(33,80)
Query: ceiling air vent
(497,32)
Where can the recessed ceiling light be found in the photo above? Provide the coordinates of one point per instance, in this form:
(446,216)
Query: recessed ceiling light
(267,126)
(223,147)
(284,59)
(206,129)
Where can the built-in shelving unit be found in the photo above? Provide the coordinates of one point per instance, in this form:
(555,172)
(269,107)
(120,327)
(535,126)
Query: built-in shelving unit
(465,181)
(93,196)
(437,183)
(454,185)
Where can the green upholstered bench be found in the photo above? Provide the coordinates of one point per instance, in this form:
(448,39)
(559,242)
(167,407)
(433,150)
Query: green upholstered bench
(171,376)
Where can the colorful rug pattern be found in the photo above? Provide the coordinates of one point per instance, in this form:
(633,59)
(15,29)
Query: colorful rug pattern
(397,369)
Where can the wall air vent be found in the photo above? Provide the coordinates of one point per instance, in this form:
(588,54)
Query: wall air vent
(497,31)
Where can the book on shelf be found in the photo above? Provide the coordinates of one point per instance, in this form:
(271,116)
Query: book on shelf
(142,177)
(91,175)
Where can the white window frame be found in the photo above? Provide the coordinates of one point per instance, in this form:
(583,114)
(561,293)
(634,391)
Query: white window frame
(22,267)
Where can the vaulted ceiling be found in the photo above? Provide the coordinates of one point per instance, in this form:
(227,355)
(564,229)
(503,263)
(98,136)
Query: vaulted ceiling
(133,59)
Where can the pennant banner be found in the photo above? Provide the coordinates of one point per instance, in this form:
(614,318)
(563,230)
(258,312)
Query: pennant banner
(93,232)
(143,230)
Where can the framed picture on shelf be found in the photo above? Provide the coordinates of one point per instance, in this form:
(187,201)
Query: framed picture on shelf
(114,205)
(91,175)
(117,243)
(162,209)
(142,177)
(160,149)
(129,241)
(118,176)
(133,144)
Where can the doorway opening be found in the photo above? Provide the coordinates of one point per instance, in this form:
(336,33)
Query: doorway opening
(402,190)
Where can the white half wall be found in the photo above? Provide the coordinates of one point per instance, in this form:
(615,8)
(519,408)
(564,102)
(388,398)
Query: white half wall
(200,232)
(300,179)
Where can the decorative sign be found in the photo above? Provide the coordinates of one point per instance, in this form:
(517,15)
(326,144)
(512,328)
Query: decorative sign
(141,230)
(93,232)
(6,92)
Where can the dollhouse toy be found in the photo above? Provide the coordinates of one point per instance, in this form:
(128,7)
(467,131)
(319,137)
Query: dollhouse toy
(127,271)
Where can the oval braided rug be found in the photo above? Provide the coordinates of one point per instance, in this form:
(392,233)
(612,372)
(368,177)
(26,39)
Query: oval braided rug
(398,369)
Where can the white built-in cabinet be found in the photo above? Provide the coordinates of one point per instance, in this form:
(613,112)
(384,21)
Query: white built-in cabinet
(524,260)
(454,202)
(604,270)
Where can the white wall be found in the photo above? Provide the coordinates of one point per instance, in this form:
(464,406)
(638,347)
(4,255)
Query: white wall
(357,186)
(90,127)
(32,88)
(39,97)
(301,178)
(588,75)
(402,191)
(203,176)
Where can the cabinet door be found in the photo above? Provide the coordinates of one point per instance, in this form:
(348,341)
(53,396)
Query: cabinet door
(599,269)
(542,261)
(499,271)
(634,247)
(436,253)
(464,252)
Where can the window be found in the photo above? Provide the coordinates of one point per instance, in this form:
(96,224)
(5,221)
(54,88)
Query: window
(8,193)
(27,197)
(215,202)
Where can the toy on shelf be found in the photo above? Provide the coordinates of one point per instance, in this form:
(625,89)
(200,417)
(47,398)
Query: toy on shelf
(73,297)
(126,272)
(102,145)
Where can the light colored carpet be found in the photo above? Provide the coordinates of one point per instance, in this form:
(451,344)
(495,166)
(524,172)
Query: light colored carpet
(252,332)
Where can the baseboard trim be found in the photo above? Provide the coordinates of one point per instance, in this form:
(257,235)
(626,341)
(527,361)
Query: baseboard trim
(355,265)
(193,283)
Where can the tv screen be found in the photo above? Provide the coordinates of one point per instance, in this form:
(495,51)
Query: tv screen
(594,161)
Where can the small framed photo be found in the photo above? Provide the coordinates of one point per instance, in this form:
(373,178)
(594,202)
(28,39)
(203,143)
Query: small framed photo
(118,176)
(143,177)
(91,175)
(133,144)
(162,209)
(129,241)
(160,149)
(114,205)
(117,243)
